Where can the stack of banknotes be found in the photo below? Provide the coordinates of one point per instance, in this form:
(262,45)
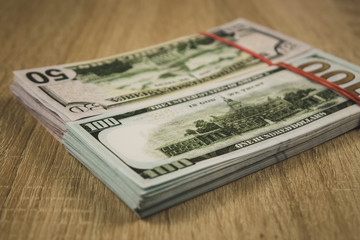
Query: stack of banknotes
(166,123)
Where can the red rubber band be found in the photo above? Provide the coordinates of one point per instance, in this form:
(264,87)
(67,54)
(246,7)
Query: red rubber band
(321,81)
(289,67)
(254,54)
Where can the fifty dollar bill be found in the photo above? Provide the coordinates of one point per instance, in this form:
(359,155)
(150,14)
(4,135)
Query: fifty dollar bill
(77,90)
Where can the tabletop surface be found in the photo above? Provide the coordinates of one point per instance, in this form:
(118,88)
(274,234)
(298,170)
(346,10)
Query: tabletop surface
(45,193)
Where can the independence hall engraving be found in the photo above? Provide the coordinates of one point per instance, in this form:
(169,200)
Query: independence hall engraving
(241,119)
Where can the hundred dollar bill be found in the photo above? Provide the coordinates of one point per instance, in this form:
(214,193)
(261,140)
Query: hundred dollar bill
(245,119)
(77,90)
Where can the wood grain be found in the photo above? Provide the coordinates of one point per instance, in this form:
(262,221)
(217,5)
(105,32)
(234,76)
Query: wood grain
(47,194)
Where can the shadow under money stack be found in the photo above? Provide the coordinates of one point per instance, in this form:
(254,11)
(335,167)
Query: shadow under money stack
(164,124)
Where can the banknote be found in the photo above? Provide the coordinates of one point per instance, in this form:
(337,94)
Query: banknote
(168,122)
(335,70)
(84,89)
(265,112)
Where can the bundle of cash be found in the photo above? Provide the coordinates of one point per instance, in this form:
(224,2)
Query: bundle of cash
(56,95)
(163,124)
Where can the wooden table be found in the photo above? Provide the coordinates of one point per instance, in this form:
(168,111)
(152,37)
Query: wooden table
(45,193)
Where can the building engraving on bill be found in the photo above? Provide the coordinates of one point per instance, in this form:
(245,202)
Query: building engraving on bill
(243,118)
